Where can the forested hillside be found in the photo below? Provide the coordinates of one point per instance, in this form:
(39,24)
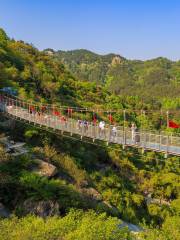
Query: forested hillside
(86,65)
(158,77)
(86,189)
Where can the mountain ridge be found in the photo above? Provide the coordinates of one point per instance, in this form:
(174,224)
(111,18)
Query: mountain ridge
(109,54)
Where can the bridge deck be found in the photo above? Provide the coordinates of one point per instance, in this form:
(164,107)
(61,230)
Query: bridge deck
(155,142)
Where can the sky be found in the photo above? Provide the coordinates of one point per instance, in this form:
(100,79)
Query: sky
(135,29)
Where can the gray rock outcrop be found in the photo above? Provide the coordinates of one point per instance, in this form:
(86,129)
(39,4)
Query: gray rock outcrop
(93,193)
(40,208)
(43,168)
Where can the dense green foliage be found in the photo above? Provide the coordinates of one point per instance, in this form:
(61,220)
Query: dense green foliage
(134,187)
(39,77)
(150,80)
(75,226)
(86,65)
(169,230)
(151,84)
(80,226)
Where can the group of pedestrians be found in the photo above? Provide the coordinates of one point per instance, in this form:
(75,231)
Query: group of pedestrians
(83,126)
(97,128)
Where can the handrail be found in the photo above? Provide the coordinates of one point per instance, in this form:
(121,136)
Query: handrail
(122,135)
(162,111)
(80,110)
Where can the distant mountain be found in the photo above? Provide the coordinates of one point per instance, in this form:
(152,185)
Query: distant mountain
(157,77)
(86,65)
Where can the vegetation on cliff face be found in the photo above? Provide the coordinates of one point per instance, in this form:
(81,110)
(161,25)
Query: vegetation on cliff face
(124,184)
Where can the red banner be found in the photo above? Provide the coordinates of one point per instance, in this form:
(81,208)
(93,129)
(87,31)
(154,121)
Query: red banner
(69,111)
(110,118)
(173,124)
(56,113)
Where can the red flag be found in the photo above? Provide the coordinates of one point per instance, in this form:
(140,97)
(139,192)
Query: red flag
(32,108)
(56,113)
(173,124)
(70,112)
(110,118)
(94,118)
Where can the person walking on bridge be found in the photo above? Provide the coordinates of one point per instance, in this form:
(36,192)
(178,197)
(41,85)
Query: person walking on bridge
(85,126)
(114,133)
(102,129)
(133,132)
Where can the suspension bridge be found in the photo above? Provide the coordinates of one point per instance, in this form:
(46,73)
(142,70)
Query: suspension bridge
(22,110)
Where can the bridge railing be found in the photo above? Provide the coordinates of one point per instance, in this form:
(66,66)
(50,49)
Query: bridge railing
(124,136)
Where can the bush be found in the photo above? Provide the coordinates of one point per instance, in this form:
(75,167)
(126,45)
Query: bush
(76,225)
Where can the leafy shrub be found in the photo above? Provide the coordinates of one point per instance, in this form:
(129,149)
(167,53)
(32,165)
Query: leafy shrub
(74,226)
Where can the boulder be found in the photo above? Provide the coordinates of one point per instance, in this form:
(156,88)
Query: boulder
(43,168)
(84,183)
(132,227)
(40,208)
(3,211)
(150,200)
(116,60)
(93,193)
